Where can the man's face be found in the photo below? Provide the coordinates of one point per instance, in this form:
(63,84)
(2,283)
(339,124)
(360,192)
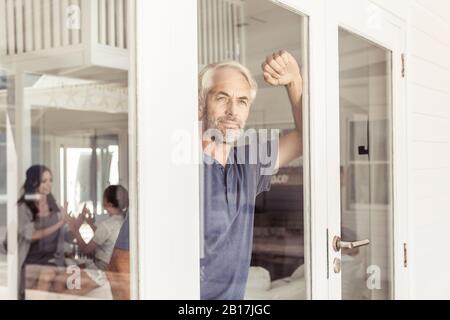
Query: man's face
(228,104)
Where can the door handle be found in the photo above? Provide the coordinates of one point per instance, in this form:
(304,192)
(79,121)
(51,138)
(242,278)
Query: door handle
(338,244)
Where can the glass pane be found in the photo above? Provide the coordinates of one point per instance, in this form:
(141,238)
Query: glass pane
(254,240)
(65,99)
(366,167)
(3,189)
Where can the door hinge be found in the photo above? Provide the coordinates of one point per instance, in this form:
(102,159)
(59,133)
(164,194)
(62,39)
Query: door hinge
(405,255)
(403,65)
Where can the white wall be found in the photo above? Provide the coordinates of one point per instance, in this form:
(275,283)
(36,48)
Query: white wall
(428,76)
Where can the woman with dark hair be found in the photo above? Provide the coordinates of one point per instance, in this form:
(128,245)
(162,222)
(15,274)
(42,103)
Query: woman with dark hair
(101,246)
(40,232)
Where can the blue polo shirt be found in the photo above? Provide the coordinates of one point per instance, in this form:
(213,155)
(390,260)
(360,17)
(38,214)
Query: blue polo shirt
(228,215)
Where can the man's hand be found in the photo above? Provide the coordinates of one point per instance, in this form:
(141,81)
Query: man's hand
(281,69)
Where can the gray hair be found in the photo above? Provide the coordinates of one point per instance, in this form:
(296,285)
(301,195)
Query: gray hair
(205,78)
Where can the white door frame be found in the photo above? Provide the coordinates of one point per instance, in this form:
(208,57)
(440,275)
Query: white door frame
(317,146)
(377,25)
(168,192)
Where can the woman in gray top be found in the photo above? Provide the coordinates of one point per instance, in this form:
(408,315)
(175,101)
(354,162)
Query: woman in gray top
(40,231)
(101,246)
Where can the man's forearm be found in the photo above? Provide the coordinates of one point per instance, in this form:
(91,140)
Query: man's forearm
(295,93)
(291,145)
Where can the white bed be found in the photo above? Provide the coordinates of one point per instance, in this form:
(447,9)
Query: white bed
(261,287)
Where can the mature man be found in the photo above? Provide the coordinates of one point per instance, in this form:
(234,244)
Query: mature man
(232,182)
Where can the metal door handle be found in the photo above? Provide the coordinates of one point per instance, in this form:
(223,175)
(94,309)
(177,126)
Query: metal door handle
(338,244)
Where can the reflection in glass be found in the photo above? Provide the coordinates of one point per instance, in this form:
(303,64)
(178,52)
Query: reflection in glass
(65,98)
(3,188)
(273,236)
(366,167)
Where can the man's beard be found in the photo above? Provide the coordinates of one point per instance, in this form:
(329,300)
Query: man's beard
(217,131)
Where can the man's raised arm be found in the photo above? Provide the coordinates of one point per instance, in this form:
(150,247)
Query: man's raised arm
(281,69)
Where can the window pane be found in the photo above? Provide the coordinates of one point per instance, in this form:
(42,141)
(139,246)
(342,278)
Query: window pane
(65,99)
(366,167)
(254,243)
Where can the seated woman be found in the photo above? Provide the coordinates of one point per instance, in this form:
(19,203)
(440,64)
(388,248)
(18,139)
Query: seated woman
(115,202)
(40,231)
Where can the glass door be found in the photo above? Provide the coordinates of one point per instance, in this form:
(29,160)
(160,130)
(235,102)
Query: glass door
(272,261)
(362,233)
(365,110)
